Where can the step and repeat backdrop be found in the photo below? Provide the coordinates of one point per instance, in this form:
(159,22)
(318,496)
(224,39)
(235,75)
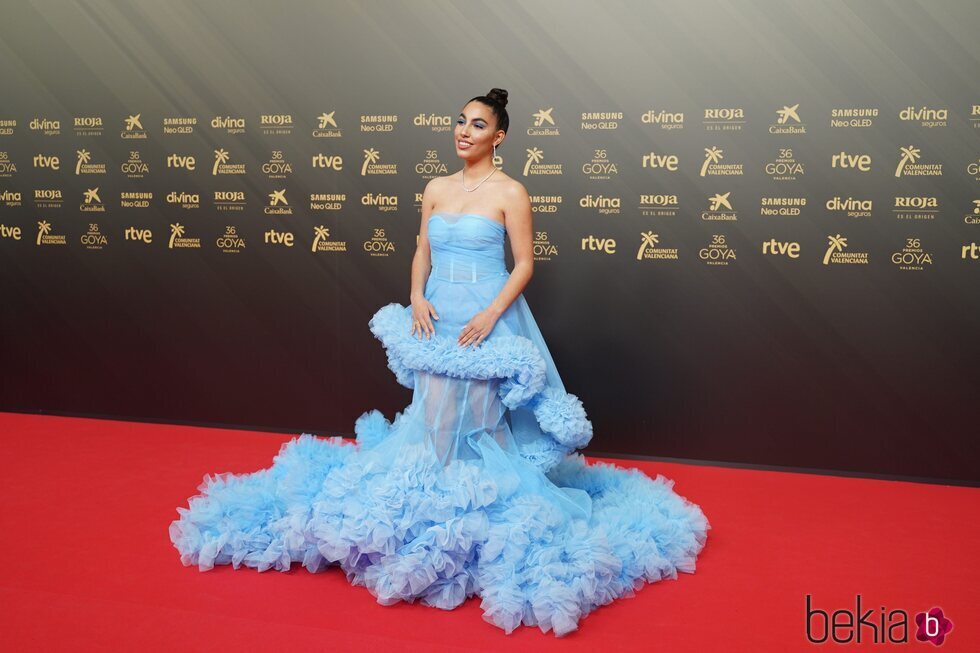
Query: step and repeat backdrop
(756,225)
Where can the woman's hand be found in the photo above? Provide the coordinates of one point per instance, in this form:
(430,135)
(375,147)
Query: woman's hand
(478,328)
(421,310)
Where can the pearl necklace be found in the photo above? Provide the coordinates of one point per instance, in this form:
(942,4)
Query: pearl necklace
(462,180)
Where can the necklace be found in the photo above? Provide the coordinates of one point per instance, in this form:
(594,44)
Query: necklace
(462,178)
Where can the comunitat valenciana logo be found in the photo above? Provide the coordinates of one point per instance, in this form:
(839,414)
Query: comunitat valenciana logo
(875,625)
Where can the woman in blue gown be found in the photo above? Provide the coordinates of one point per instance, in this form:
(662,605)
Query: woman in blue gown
(475,488)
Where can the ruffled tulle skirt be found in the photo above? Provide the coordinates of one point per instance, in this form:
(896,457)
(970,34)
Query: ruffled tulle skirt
(446,501)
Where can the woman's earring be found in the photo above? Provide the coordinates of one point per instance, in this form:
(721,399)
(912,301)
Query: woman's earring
(494,159)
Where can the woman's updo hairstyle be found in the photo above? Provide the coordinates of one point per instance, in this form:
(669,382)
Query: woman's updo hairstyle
(496,99)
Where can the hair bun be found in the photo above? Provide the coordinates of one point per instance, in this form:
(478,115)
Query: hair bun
(498,95)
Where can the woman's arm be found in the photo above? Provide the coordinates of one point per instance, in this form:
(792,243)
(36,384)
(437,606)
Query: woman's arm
(520,229)
(422,261)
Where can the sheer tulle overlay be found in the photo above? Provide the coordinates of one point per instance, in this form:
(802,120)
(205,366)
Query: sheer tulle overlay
(475,488)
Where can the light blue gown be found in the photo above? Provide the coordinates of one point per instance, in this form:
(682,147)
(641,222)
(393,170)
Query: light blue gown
(474,489)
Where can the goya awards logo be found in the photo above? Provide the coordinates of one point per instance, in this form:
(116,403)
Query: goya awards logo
(601,204)
(230,242)
(278,204)
(662,205)
(973,169)
(912,256)
(91,202)
(229,200)
(599,167)
(916,207)
(221,165)
(713,165)
(46,235)
(378,244)
(383,203)
(179,240)
(601,120)
(323,243)
(276,124)
(723,119)
(7,167)
(788,121)
(787,207)
(543,123)
(433,122)
(327,201)
(46,126)
(660,161)
(88,126)
(129,199)
(277,167)
(925,116)
(651,251)
(134,167)
(535,164)
(720,208)
(666,120)
(837,253)
(853,117)
(48,198)
(431,166)
(717,252)
(785,167)
(371,165)
(378,123)
(973,217)
(85,166)
(850,207)
(93,238)
(179,125)
(909,166)
(326,126)
(133,128)
(229,124)
(543,247)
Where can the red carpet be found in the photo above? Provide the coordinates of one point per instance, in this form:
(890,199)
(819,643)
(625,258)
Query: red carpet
(89,566)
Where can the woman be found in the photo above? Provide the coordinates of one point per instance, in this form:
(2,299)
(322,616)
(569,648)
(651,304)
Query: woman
(476,487)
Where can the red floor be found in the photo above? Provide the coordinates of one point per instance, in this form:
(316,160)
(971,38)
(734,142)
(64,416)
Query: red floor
(89,566)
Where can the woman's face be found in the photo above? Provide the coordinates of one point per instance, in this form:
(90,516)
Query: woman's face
(474,133)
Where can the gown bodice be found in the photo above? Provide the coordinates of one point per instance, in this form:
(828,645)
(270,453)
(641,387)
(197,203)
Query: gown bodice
(466,247)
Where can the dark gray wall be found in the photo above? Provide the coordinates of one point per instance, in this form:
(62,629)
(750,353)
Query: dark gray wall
(767,360)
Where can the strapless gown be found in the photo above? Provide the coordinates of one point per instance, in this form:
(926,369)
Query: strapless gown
(475,488)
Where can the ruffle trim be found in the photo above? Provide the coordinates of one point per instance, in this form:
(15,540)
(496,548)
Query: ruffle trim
(408,529)
(512,358)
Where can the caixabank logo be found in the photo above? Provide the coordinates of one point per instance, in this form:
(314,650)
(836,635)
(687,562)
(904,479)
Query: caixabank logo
(875,625)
